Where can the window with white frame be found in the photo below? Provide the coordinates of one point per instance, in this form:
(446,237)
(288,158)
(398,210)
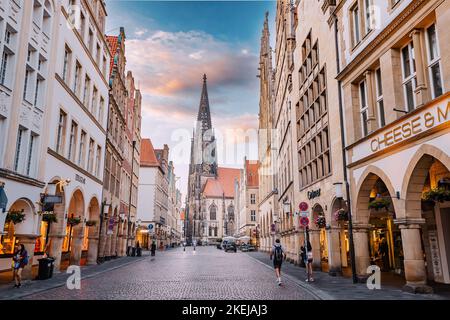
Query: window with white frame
(73,141)
(4,67)
(253,198)
(98,161)
(368,15)
(364,108)
(409,76)
(61,132)
(76,83)
(356,24)
(94,101)
(434,62)
(82,150)
(87,90)
(253,215)
(380,102)
(66,65)
(30,158)
(19,146)
(90,156)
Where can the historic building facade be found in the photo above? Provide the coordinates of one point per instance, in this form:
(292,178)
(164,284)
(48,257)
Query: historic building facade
(29,32)
(153,195)
(318,142)
(247,199)
(114,220)
(76,142)
(394,76)
(267,145)
(284,113)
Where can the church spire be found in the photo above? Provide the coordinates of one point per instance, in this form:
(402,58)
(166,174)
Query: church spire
(204,114)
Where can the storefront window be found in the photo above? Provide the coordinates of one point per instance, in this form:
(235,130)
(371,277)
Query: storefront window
(40,241)
(8,239)
(86,239)
(65,247)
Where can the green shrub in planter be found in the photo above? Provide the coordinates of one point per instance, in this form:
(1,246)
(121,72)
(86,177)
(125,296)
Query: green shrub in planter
(437,195)
(15,217)
(379,204)
(91,223)
(73,221)
(49,217)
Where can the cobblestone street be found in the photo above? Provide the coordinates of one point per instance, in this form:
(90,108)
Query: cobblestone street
(207,273)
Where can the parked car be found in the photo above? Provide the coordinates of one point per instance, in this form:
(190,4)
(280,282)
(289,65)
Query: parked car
(251,247)
(231,246)
(244,247)
(219,246)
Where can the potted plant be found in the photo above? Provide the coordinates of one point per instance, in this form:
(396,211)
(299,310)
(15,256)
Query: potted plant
(49,217)
(73,221)
(379,204)
(437,195)
(341,215)
(91,223)
(320,222)
(15,216)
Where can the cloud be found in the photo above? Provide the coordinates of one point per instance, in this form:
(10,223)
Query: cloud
(140,32)
(174,62)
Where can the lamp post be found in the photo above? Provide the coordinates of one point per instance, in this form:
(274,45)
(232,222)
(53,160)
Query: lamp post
(104,211)
(340,196)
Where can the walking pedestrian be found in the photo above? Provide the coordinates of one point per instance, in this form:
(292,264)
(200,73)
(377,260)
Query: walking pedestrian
(153,248)
(20,260)
(308,256)
(278,256)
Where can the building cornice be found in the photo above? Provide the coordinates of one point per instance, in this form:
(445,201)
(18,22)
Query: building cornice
(74,166)
(8,174)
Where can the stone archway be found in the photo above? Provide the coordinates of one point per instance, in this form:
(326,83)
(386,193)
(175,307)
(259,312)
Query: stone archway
(75,233)
(374,185)
(24,232)
(93,231)
(428,170)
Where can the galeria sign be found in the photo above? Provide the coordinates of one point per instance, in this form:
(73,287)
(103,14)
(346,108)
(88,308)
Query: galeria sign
(428,119)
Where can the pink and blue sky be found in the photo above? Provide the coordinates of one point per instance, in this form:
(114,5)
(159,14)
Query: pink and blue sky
(170,45)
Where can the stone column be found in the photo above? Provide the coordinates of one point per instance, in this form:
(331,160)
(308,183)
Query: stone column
(296,249)
(334,251)
(77,245)
(107,252)
(421,88)
(56,242)
(29,241)
(102,246)
(361,241)
(314,236)
(415,271)
(93,245)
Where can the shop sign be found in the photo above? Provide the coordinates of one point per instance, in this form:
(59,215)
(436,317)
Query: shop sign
(80,179)
(435,255)
(313,194)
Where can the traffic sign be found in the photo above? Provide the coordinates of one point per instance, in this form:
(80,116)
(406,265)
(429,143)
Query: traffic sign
(304,221)
(303,206)
(304,213)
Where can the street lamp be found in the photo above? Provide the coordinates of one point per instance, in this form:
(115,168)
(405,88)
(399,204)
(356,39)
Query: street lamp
(340,195)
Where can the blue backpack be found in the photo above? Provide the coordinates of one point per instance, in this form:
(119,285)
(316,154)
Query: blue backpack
(25,260)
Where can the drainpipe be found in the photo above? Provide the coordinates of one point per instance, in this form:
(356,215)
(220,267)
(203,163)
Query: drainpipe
(344,158)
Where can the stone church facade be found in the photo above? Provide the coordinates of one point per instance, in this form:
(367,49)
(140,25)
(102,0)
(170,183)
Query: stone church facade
(210,205)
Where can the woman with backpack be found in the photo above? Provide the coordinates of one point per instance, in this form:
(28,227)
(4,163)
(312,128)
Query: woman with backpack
(278,256)
(20,260)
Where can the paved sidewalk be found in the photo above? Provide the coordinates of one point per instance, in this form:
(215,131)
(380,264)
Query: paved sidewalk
(29,287)
(340,288)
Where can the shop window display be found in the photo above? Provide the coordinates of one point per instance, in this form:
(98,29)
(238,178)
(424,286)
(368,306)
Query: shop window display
(8,239)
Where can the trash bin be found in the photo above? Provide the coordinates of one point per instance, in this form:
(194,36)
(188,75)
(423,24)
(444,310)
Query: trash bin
(45,268)
(133,252)
(139,252)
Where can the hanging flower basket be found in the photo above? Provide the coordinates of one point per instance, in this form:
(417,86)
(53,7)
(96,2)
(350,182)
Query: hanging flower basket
(73,221)
(15,217)
(341,215)
(379,204)
(49,217)
(437,195)
(91,223)
(320,222)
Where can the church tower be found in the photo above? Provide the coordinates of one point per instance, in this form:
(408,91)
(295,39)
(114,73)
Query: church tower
(203,163)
